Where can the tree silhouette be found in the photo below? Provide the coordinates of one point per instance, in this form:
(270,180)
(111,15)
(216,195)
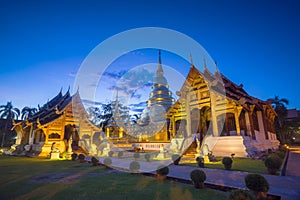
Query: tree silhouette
(279,106)
(28,112)
(8,112)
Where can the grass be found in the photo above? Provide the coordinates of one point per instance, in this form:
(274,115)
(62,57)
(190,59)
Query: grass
(31,178)
(239,164)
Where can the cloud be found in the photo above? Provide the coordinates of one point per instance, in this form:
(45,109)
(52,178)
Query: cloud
(114,75)
(89,102)
(72,74)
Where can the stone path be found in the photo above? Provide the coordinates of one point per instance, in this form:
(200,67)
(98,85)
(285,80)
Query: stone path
(287,187)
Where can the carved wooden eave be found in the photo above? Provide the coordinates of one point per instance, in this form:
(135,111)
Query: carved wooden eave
(38,124)
(57,111)
(15,124)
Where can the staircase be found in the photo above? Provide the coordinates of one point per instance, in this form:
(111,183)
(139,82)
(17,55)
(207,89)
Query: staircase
(191,151)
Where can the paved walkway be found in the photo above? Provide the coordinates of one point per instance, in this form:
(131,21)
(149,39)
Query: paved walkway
(288,187)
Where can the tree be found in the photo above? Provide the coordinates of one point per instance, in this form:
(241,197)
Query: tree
(28,112)
(93,115)
(280,109)
(8,112)
(279,106)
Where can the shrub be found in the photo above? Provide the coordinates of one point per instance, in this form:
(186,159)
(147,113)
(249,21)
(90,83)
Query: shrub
(136,155)
(241,194)
(198,177)
(227,162)
(81,157)
(64,154)
(107,161)
(200,161)
(95,161)
(134,166)
(74,156)
(273,163)
(257,183)
(162,170)
(280,154)
(110,153)
(120,154)
(176,158)
(147,157)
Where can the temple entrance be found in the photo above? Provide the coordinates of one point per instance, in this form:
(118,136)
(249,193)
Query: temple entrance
(195,121)
(229,127)
(180,127)
(72,130)
(205,118)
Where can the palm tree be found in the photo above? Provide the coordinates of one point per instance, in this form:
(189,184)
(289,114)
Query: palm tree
(280,109)
(8,112)
(28,112)
(279,106)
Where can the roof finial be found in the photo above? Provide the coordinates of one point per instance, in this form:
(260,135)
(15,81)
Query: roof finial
(191,60)
(204,60)
(217,69)
(117,95)
(159,57)
(117,101)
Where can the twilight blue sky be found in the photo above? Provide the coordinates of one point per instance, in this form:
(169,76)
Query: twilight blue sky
(43,43)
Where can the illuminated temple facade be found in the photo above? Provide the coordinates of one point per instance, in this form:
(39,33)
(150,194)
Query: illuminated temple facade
(61,120)
(233,122)
(210,107)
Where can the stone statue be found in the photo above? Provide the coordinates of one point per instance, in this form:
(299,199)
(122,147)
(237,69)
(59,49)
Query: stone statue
(198,145)
(70,144)
(161,148)
(205,150)
(54,149)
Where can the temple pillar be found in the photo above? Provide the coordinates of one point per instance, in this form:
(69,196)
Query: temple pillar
(251,121)
(173,126)
(62,135)
(107,132)
(214,115)
(265,122)
(248,125)
(188,115)
(47,135)
(31,135)
(121,132)
(260,122)
(237,112)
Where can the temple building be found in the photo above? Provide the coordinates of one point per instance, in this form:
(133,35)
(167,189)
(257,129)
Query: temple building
(61,120)
(220,114)
(153,124)
(226,118)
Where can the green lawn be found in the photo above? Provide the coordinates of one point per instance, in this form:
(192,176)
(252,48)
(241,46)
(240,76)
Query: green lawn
(31,178)
(239,164)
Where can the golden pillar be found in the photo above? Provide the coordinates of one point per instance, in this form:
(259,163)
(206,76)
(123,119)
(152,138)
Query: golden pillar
(214,115)
(188,114)
(121,132)
(248,125)
(237,112)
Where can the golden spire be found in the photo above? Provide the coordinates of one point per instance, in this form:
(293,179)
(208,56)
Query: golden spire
(159,71)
